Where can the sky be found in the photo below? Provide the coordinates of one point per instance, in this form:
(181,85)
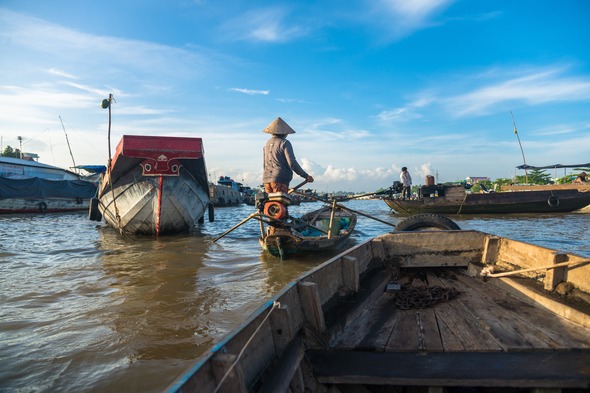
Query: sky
(369,86)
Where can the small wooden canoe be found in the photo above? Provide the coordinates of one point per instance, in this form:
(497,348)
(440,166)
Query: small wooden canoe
(420,310)
(327,228)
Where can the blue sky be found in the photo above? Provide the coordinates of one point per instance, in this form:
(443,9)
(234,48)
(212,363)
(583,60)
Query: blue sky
(368,85)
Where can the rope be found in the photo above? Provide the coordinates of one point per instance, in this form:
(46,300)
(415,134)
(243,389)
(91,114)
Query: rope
(489,271)
(275,304)
(461,207)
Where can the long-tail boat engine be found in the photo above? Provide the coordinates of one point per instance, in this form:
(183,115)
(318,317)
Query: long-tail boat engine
(273,205)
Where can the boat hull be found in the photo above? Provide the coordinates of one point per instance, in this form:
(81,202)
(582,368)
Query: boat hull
(46,205)
(543,201)
(153,205)
(347,322)
(156,186)
(286,242)
(38,195)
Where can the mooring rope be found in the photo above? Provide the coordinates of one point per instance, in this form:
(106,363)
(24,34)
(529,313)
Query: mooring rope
(461,207)
(275,304)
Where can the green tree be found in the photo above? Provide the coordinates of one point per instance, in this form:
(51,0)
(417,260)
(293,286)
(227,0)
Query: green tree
(10,152)
(536,176)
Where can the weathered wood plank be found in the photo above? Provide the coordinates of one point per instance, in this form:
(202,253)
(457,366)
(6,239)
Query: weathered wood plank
(557,275)
(283,335)
(538,327)
(372,329)
(537,369)
(350,273)
(312,306)
(350,308)
(495,315)
(229,376)
(415,330)
(286,369)
(459,329)
(540,301)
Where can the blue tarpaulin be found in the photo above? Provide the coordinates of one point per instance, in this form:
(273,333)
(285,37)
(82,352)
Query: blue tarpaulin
(42,188)
(587,165)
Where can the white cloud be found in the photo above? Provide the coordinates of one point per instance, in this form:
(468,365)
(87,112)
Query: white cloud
(533,87)
(494,88)
(401,18)
(271,25)
(408,112)
(55,71)
(250,92)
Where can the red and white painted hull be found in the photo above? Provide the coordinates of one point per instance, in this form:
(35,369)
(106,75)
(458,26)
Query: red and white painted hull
(155,186)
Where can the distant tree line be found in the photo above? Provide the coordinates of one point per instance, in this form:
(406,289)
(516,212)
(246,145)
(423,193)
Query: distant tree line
(10,152)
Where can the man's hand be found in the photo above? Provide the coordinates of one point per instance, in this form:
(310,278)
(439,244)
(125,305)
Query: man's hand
(309,179)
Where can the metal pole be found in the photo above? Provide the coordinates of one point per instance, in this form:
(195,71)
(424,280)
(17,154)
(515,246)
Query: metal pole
(526,174)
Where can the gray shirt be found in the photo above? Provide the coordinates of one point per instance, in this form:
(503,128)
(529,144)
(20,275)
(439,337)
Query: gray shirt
(280,162)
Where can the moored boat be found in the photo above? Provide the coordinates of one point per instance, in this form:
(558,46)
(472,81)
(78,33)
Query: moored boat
(454,199)
(227,192)
(154,186)
(421,310)
(28,186)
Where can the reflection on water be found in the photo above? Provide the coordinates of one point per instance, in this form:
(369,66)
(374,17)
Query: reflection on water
(84,309)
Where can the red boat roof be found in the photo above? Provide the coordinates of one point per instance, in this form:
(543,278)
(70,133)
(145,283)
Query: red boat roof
(140,146)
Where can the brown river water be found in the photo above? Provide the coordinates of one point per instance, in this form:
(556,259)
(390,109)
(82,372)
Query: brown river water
(83,309)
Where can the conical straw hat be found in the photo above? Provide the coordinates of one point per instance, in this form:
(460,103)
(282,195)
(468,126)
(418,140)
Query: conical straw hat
(278,127)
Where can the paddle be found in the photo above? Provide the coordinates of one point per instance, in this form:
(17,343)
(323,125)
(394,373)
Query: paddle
(349,209)
(297,186)
(253,215)
(236,226)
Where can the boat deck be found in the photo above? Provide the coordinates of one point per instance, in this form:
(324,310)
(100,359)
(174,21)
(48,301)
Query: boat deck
(409,312)
(476,337)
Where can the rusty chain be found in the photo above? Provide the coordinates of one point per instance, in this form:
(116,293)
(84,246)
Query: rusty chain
(423,297)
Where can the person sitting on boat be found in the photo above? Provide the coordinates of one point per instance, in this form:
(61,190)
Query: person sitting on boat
(279,159)
(581,178)
(406,180)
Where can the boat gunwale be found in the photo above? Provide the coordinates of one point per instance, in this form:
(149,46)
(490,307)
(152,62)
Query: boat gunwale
(367,255)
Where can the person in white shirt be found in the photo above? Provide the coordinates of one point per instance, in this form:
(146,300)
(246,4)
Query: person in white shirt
(406,180)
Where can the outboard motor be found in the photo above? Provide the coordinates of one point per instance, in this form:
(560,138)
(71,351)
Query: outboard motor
(259,199)
(276,205)
(397,187)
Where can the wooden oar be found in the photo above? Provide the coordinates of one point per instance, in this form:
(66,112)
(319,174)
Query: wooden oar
(350,210)
(235,226)
(292,190)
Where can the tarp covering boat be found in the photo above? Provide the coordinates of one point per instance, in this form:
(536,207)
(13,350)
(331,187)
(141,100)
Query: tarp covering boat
(42,188)
(525,166)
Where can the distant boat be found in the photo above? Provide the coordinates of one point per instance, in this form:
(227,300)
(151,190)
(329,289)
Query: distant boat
(28,186)
(414,311)
(154,186)
(227,192)
(454,199)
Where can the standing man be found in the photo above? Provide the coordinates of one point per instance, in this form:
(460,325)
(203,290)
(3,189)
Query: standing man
(406,180)
(279,159)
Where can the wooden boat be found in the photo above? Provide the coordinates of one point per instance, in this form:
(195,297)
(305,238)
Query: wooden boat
(227,192)
(454,199)
(327,228)
(415,311)
(154,186)
(28,186)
